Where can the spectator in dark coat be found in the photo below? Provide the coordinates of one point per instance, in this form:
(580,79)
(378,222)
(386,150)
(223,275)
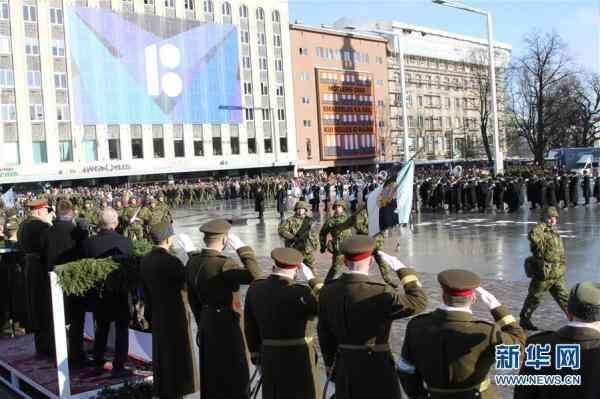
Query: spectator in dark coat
(113,306)
(259,202)
(281,197)
(574,190)
(164,278)
(63,243)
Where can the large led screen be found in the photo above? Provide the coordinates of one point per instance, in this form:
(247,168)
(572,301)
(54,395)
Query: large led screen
(148,69)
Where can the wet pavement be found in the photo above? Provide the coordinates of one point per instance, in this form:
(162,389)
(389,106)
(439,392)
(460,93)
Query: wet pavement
(493,245)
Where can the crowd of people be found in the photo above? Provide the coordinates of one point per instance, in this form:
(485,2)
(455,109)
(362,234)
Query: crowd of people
(444,352)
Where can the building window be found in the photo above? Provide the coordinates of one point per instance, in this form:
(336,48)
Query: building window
(32,46)
(264,89)
(265,114)
(243,11)
(208,6)
(245,36)
(249,114)
(305,100)
(275,17)
(303,51)
(234,137)
(39,152)
(304,76)
(279,91)
(308,149)
(58,48)
(260,14)
(90,146)
(137,142)
(247,88)
(268,144)
(262,39)
(188,4)
(246,63)
(262,63)
(283,144)
(198,140)
(170,3)
(30,13)
(178,144)
(277,40)
(60,80)
(279,66)
(56,16)
(114,142)
(66,150)
(62,112)
(36,112)
(307,123)
(226,9)
(8,112)
(5,45)
(280,114)
(158,141)
(420,101)
(4,10)
(34,79)
(216,140)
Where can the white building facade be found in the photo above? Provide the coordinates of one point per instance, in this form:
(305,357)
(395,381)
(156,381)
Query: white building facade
(53,129)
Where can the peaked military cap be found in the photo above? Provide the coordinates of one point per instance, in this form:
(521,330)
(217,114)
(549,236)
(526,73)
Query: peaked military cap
(286,258)
(301,205)
(584,301)
(358,247)
(340,203)
(457,282)
(161,231)
(215,228)
(37,204)
(11,225)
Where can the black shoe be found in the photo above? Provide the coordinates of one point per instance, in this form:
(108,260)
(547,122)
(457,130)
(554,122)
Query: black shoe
(526,324)
(121,373)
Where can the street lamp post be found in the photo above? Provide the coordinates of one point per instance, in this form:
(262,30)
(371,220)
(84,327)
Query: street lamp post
(498,157)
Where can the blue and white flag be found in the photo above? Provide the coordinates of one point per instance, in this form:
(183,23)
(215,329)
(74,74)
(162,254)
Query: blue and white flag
(8,198)
(391,204)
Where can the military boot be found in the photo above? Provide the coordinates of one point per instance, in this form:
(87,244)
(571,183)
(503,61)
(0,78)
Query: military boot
(526,324)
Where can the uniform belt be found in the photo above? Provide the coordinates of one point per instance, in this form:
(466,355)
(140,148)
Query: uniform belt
(287,342)
(482,386)
(371,348)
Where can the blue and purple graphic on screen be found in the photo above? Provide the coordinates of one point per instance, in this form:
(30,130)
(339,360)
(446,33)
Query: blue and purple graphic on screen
(148,69)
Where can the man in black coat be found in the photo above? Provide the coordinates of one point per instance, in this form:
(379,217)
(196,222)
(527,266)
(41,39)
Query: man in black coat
(281,198)
(37,280)
(113,306)
(587,186)
(574,190)
(259,202)
(62,243)
(164,278)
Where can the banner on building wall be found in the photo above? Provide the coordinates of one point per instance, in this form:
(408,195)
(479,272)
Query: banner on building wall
(347,114)
(138,68)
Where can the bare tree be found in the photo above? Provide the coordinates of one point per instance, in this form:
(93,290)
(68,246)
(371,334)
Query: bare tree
(479,60)
(586,115)
(539,83)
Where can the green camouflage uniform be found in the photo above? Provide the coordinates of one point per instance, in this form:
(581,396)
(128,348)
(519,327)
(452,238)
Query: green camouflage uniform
(547,268)
(133,231)
(152,216)
(333,246)
(289,229)
(91,215)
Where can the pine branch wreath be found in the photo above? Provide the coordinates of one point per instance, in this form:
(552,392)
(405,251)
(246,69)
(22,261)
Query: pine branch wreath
(77,278)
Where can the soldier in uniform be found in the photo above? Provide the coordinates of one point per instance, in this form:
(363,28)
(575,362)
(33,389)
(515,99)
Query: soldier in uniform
(583,330)
(355,318)
(278,316)
(213,283)
(449,353)
(546,268)
(154,214)
(37,280)
(296,231)
(337,237)
(89,213)
(132,223)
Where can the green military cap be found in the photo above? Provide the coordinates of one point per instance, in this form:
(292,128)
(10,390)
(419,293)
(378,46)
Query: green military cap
(549,212)
(358,247)
(161,231)
(340,203)
(301,205)
(215,228)
(584,301)
(457,282)
(37,204)
(286,258)
(11,225)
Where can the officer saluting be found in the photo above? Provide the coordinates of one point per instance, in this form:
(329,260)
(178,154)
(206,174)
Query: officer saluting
(583,329)
(355,317)
(213,282)
(448,353)
(279,331)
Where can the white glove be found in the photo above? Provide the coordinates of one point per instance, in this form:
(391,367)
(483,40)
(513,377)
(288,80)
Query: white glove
(308,274)
(394,262)
(234,242)
(182,245)
(486,297)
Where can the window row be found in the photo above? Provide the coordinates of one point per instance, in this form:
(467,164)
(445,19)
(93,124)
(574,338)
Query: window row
(436,102)
(331,77)
(434,63)
(432,81)
(261,38)
(348,118)
(348,98)
(356,57)
(264,89)
(8,112)
(438,123)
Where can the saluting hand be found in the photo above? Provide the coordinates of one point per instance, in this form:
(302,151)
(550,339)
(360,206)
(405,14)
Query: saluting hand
(488,298)
(308,274)
(234,242)
(394,262)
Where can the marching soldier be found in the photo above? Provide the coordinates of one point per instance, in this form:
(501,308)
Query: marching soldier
(438,357)
(337,237)
(132,223)
(278,324)
(89,213)
(546,268)
(296,231)
(37,280)
(355,318)
(213,282)
(583,331)
(154,214)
